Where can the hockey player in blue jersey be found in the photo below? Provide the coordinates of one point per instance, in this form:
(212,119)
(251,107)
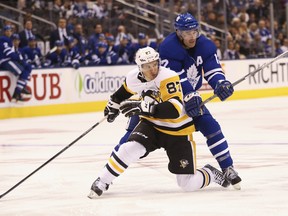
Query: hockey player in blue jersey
(58,58)
(32,53)
(10,61)
(75,57)
(189,53)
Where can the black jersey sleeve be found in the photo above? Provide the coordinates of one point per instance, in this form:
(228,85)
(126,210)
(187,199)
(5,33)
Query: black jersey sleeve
(166,110)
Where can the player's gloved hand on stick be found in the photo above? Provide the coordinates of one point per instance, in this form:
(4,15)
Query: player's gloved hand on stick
(192,102)
(223,89)
(136,107)
(111,110)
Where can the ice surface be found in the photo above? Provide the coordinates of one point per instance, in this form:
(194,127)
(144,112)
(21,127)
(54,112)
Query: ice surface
(257,131)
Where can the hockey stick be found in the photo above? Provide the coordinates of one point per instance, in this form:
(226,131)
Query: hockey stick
(52,158)
(248,75)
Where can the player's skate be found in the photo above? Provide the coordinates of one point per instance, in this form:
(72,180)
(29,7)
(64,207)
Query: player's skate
(97,188)
(218,176)
(25,93)
(17,97)
(232,176)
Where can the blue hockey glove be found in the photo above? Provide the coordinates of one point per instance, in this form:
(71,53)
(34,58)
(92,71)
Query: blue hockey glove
(111,110)
(223,89)
(192,102)
(136,107)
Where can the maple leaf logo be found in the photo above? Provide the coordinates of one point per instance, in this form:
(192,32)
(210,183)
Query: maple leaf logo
(192,77)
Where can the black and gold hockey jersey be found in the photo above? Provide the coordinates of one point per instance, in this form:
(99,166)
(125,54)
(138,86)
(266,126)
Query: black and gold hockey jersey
(166,86)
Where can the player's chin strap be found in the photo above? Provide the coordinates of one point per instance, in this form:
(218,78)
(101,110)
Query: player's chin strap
(249,74)
(52,158)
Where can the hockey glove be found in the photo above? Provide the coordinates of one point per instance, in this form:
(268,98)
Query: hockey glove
(223,89)
(192,102)
(111,110)
(136,107)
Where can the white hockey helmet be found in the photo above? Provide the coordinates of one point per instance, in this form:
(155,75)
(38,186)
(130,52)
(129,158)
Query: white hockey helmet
(148,62)
(146,55)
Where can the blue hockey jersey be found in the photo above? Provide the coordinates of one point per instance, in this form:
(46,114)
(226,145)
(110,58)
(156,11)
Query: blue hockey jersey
(6,50)
(192,64)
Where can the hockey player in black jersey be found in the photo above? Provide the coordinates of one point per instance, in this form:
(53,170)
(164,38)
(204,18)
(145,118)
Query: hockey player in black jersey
(163,124)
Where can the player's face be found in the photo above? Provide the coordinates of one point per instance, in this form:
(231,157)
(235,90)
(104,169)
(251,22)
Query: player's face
(189,37)
(150,70)
(8,33)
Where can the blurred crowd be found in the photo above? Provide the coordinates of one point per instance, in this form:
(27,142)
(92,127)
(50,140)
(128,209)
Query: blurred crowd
(82,37)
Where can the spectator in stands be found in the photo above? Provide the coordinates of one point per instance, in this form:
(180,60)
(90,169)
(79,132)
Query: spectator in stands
(26,33)
(80,9)
(121,30)
(263,31)
(10,61)
(278,49)
(66,10)
(218,46)
(257,48)
(61,33)
(32,53)
(243,15)
(260,9)
(253,29)
(284,47)
(230,53)
(96,9)
(244,43)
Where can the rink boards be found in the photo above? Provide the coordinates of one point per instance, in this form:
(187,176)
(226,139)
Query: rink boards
(66,90)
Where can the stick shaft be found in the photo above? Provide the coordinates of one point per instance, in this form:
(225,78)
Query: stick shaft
(52,158)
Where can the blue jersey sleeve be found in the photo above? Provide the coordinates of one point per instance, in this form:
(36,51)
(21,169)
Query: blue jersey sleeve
(211,66)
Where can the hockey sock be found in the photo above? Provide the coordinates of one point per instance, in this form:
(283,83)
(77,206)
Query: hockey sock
(20,85)
(119,160)
(193,182)
(219,148)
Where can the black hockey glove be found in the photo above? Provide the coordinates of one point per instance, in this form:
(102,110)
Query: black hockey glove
(192,102)
(136,107)
(223,89)
(111,110)
(150,96)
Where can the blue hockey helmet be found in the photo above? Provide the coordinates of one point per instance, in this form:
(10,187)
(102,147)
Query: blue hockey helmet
(102,44)
(186,22)
(110,38)
(15,36)
(8,28)
(59,43)
(32,38)
(70,39)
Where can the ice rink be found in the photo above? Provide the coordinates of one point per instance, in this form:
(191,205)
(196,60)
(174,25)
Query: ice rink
(257,131)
